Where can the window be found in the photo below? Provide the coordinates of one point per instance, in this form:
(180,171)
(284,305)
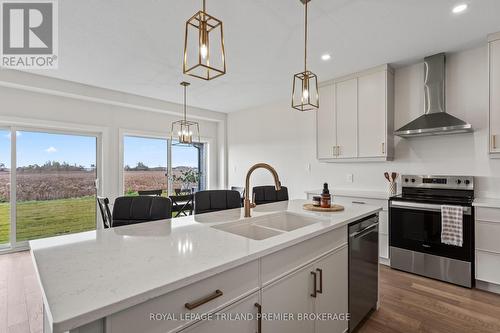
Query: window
(55,184)
(145,164)
(157,164)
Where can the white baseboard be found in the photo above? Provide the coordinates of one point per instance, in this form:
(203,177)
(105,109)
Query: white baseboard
(488,286)
(384,261)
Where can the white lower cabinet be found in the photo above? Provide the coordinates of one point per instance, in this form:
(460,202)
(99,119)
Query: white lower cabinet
(291,294)
(320,288)
(487,245)
(334,296)
(231,319)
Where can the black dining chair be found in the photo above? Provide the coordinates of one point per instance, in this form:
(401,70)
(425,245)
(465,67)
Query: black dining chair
(154,193)
(107,219)
(216,200)
(131,210)
(182,204)
(268,194)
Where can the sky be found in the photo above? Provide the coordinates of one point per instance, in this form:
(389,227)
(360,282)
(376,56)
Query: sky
(38,148)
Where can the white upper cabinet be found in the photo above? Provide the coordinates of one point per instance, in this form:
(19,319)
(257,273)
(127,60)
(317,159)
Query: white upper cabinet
(494,56)
(325,123)
(372,115)
(356,117)
(346,106)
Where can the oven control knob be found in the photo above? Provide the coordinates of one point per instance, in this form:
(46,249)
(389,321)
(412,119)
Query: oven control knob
(406,180)
(413,180)
(467,182)
(459,181)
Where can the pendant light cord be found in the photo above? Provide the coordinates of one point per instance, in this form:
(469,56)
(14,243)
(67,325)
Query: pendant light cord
(185,102)
(204,7)
(305,38)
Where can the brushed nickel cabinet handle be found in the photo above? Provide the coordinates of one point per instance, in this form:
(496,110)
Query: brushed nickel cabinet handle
(315,287)
(259,317)
(334,150)
(383,147)
(359,202)
(320,271)
(494,141)
(201,301)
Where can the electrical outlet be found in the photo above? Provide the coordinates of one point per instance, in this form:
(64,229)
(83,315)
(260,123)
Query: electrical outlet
(350,177)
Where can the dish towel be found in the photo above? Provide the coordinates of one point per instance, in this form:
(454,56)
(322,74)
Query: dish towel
(451,225)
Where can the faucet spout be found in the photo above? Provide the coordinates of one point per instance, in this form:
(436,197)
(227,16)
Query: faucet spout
(277,184)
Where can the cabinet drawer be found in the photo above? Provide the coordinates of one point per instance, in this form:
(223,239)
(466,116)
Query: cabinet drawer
(342,200)
(488,214)
(383,243)
(383,226)
(234,284)
(487,236)
(488,267)
(280,263)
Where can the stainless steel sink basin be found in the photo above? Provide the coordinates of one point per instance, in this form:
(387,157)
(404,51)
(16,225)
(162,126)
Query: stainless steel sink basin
(286,221)
(248,230)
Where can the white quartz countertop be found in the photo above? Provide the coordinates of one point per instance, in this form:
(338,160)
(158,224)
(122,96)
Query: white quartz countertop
(90,275)
(368,194)
(487,202)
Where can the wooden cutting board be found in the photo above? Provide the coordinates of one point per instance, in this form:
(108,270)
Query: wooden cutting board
(332,208)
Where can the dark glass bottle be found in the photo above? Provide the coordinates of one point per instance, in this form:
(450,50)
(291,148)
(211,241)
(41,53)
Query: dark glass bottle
(326,198)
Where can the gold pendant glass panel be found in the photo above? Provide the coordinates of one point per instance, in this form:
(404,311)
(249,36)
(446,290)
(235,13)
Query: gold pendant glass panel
(204,54)
(305,95)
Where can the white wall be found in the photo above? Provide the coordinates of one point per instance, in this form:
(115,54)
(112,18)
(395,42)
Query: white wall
(32,100)
(286,139)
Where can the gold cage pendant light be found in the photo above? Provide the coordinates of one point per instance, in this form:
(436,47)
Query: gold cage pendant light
(204,54)
(305,94)
(183,128)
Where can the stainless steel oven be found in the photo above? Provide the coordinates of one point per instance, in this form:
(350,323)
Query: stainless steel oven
(415,228)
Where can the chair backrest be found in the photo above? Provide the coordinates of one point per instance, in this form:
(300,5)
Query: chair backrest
(107,219)
(268,194)
(182,204)
(155,193)
(216,200)
(131,210)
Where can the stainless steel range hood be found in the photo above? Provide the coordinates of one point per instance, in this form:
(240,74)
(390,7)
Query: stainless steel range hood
(435,120)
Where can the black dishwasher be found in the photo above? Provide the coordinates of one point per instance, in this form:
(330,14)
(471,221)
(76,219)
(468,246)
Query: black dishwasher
(363,269)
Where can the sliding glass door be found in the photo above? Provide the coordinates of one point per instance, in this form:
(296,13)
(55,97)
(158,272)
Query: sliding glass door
(5,155)
(55,184)
(187,167)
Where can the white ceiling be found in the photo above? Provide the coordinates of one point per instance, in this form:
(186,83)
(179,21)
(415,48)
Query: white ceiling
(136,46)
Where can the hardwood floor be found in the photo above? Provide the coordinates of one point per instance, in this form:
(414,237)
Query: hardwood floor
(20,295)
(408,303)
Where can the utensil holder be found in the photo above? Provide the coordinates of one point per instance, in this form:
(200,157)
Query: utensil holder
(393,188)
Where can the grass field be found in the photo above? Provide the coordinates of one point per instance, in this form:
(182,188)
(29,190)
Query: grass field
(38,219)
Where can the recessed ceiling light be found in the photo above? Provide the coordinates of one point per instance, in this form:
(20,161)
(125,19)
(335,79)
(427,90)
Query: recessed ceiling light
(459,8)
(326,57)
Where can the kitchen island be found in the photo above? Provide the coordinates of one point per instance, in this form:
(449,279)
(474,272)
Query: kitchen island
(185,273)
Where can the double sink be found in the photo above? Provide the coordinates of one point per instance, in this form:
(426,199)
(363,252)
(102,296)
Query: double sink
(263,227)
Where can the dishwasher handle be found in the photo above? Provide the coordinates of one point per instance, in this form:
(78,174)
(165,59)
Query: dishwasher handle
(362,231)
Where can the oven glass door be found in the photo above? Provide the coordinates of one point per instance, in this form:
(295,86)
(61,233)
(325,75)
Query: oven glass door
(419,229)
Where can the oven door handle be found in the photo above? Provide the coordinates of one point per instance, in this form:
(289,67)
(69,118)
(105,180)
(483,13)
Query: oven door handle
(422,206)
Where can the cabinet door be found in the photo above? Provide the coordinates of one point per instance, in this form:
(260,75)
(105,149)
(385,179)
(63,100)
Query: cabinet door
(325,123)
(225,321)
(372,115)
(495,96)
(292,294)
(346,109)
(334,297)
